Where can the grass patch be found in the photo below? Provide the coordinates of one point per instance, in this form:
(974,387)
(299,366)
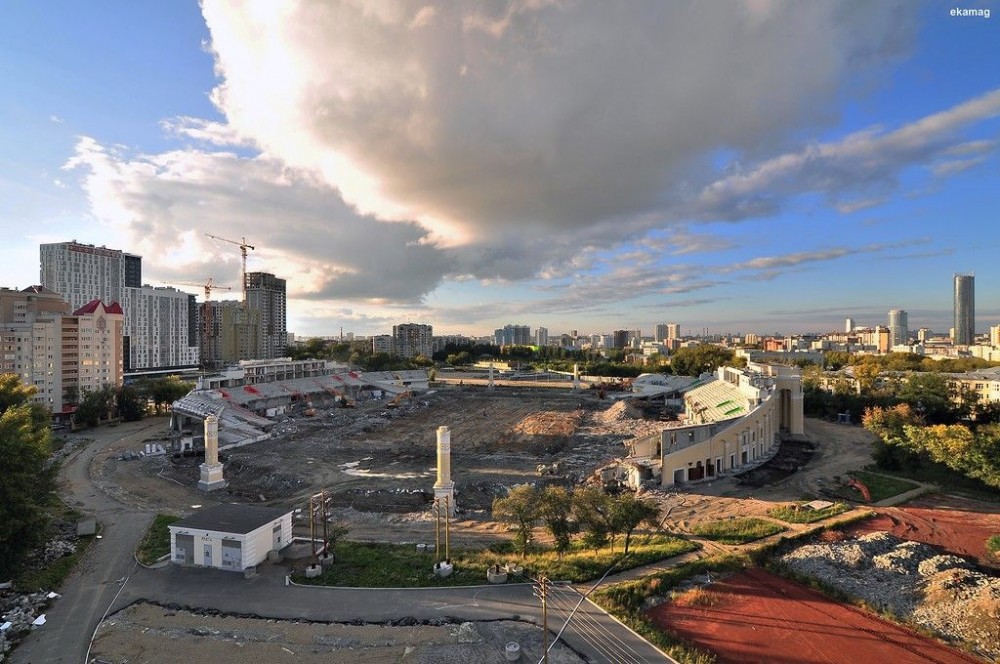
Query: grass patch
(993,546)
(882,487)
(798,513)
(380,565)
(156,543)
(737,531)
(943,476)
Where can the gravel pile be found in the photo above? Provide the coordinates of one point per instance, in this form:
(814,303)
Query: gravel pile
(621,411)
(911,580)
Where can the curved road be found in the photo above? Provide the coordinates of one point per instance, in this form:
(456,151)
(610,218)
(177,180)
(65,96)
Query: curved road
(108,579)
(88,592)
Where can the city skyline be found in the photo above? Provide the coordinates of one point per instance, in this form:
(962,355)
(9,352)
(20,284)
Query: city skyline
(566,167)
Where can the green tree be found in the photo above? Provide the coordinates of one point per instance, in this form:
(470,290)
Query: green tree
(95,405)
(930,396)
(696,360)
(131,405)
(162,391)
(555,507)
(520,508)
(628,512)
(592,510)
(25,478)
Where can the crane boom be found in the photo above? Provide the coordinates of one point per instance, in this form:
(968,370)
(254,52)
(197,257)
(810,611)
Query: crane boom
(242,244)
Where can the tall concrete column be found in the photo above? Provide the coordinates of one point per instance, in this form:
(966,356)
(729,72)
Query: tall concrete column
(576,377)
(489,385)
(444,488)
(211,470)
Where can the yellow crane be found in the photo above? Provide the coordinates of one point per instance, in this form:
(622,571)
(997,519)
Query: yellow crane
(242,244)
(206,311)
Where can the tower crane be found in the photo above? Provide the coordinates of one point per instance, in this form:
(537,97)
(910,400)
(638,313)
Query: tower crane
(242,244)
(206,315)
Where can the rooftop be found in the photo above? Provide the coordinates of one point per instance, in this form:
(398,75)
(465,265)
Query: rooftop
(227,518)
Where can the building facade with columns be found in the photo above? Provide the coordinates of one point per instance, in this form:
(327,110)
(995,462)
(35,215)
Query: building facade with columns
(732,421)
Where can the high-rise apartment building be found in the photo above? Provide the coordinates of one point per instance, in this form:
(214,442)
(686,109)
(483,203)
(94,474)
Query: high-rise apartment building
(995,336)
(619,339)
(159,329)
(899,333)
(230,333)
(848,325)
(660,335)
(412,339)
(512,335)
(673,330)
(266,293)
(542,337)
(965,310)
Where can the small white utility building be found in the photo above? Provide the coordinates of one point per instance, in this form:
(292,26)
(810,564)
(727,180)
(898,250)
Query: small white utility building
(230,537)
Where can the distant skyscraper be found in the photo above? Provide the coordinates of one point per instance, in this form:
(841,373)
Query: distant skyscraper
(512,335)
(661,333)
(849,325)
(620,339)
(673,330)
(899,333)
(965,310)
(542,336)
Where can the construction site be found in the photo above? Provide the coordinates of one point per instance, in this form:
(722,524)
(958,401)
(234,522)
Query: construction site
(377,454)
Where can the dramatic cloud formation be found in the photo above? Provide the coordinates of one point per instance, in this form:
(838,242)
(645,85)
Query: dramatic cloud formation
(483,120)
(375,151)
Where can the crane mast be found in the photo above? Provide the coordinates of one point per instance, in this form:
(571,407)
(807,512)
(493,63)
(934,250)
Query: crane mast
(242,244)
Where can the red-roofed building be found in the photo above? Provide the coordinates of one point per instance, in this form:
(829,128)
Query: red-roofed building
(59,353)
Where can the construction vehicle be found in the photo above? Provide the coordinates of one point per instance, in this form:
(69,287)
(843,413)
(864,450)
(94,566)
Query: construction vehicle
(399,399)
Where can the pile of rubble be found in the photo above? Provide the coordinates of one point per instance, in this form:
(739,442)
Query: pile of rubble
(20,613)
(910,580)
(549,423)
(621,411)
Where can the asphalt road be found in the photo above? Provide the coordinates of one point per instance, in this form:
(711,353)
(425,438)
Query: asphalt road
(89,591)
(108,579)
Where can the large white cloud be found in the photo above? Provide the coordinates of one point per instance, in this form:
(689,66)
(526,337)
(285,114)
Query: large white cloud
(489,119)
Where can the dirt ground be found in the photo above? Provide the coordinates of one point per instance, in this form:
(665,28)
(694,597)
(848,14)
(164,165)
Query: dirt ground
(756,617)
(154,634)
(957,525)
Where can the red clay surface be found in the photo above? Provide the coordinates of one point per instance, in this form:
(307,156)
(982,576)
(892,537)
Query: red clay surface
(956,525)
(764,618)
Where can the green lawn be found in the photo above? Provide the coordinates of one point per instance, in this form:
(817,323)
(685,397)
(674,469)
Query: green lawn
(882,487)
(796,513)
(941,475)
(379,565)
(737,531)
(156,543)
(993,546)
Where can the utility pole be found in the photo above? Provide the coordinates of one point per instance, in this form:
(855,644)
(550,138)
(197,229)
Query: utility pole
(541,591)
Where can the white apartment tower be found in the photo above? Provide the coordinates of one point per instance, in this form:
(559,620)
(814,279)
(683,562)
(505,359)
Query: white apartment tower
(159,326)
(542,337)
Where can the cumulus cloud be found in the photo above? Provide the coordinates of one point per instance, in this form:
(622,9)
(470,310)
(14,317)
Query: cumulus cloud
(302,229)
(486,120)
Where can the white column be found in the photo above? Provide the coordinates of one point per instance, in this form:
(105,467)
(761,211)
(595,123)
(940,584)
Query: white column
(444,488)
(211,470)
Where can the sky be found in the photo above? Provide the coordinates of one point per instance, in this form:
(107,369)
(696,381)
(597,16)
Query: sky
(740,166)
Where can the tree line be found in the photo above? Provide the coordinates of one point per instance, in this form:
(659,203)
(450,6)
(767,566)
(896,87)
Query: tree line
(26,477)
(598,517)
(129,402)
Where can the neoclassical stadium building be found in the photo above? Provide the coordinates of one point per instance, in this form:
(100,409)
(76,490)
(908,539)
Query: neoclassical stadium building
(732,421)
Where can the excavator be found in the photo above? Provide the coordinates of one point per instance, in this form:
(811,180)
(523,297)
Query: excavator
(399,399)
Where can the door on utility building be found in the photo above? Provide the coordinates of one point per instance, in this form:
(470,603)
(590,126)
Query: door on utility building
(208,555)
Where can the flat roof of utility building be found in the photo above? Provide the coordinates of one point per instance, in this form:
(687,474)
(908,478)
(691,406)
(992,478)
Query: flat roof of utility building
(237,519)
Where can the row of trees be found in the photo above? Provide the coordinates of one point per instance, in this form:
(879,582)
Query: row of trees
(905,441)
(589,510)
(129,402)
(903,362)
(931,395)
(25,476)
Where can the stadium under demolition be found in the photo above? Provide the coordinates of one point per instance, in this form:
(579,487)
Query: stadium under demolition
(368,439)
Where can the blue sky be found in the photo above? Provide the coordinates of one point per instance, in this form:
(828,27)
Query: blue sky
(742,166)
